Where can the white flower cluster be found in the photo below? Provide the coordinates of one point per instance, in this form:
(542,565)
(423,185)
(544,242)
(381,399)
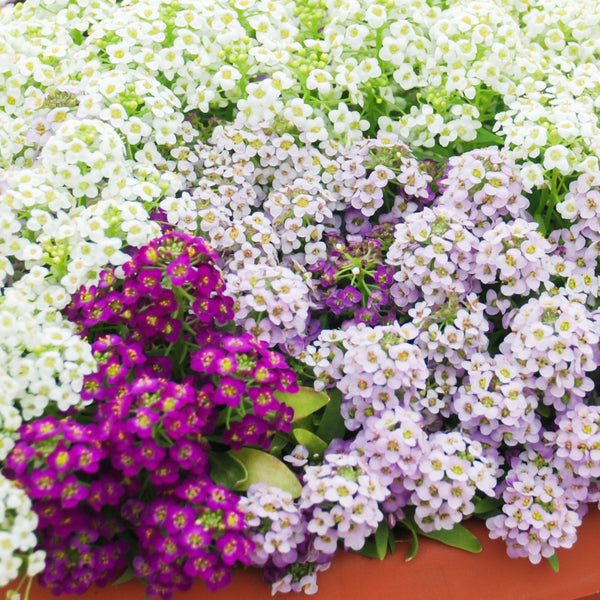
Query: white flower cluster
(83,153)
(552,114)
(43,228)
(17,533)
(80,147)
(42,361)
(437,75)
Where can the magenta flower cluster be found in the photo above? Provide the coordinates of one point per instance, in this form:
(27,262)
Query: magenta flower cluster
(169,310)
(171,382)
(105,494)
(58,463)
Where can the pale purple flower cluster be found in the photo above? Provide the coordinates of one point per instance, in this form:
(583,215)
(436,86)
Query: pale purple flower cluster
(495,401)
(372,164)
(578,246)
(274,524)
(516,255)
(342,496)
(283,545)
(484,185)
(375,368)
(271,302)
(302,577)
(540,510)
(555,338)
(438,473)
(293,540)
(448,336)
(453,469)
(453,371)
(434,255)
(581,203)
(393,444)
(577,441)
(453,332)
(575,253)
(299,211)
(434,402)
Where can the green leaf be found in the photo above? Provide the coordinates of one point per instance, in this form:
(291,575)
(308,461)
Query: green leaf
(414,546)
(278,442)
(381,539)
(484,136)
(457,537)
(261,466)
(305,423)
(377,546)
(304,402)
(392,543)
(126,576)
(226,470)
(316,446)
(553,560)
(543,410)
(369,550)
(486,505)
(332,423)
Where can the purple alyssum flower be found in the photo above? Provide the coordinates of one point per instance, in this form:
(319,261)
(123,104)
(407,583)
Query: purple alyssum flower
(158,399)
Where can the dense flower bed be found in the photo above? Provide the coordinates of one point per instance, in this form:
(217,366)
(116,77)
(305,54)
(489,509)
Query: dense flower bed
(282,277)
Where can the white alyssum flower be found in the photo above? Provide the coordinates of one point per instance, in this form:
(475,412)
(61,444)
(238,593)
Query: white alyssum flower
(42,361)
(18,523)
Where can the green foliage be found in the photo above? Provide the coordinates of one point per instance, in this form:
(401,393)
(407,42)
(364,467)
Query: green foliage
(227,470)
(305,402)
(332,422)
(316,446)
(261,466)
(457,537)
